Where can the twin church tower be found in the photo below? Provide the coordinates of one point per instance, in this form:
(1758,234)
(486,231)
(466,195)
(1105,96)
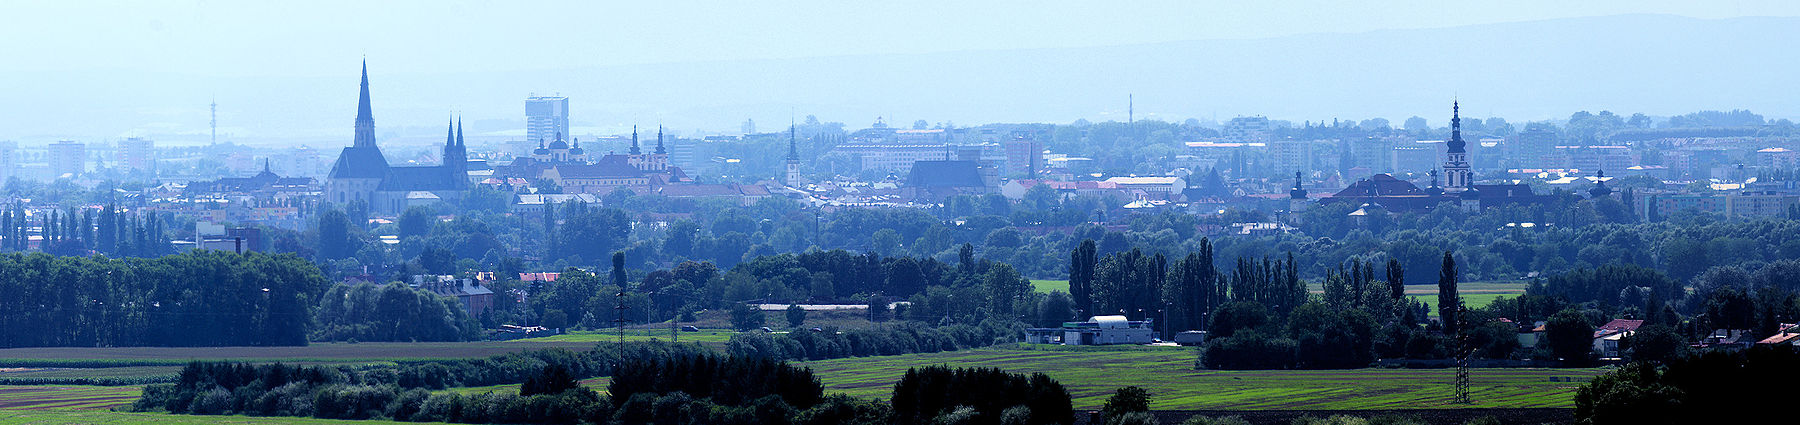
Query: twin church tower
(362,173)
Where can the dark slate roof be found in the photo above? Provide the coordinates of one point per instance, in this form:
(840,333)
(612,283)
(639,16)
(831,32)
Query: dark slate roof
(1379,185)
(945,174)
(610,166)
(360,163)
(420,178)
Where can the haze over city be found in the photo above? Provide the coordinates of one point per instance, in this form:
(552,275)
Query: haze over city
(899,213)
(279,72)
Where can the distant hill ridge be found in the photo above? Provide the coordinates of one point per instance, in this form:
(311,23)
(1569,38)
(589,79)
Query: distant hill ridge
(1655,64)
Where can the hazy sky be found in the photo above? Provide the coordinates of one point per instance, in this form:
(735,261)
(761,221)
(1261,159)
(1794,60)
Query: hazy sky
(285,70)
(312,38)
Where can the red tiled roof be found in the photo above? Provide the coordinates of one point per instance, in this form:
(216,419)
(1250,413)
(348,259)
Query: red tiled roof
(544,276)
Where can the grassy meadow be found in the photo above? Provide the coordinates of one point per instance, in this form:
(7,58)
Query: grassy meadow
(1047,286)
(100,417)
(1092,374)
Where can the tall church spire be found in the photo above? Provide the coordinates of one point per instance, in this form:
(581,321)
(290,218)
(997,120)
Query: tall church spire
(793,151)
(634,142)
(450,134)
(659,143)
(1456,143)
(365,120)
(459,134)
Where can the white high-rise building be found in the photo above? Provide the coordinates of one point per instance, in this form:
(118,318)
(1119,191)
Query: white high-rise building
(8,160)
(67,157)
(137,154)
(1288,156)
(546,118)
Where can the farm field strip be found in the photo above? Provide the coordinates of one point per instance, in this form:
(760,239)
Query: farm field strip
(99,372)
(597,384)
(1091,376)
(38,397)
(94,417)
(318,352)
(591,337)
(1047,285)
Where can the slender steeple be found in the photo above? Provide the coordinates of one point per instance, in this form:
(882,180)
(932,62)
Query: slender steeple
(793,151)
(365,119)
(450,135)
(793,160)
(659,143)
(634,142)
(459,134)
(1299,193)
(1456,143)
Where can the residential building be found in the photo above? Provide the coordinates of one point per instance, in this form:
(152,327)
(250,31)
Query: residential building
(1592,158)
(1419,157)
(9,160)
(1290,156)
(1248,129)
(546,118)
(1607,337)
(1729,204)
(1777,158)
(1374,154)
(137,154)
(895,158)
(1532,148)
(1024,157)
(67,158)
(474,297)
(1162,188)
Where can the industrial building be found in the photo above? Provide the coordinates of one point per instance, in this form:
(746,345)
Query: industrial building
(1097,330)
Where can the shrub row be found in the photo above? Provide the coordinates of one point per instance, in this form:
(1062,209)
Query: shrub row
(905,338)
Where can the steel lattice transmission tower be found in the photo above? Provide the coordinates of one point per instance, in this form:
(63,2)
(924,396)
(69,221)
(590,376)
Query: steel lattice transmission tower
(215,121)
(620,321)
(1464,353)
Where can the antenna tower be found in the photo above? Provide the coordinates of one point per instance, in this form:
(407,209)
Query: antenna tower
(1465,352)
(215,121)
(620,308)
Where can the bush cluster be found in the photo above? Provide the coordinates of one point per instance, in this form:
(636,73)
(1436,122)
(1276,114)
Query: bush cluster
(905,338)
(939,394)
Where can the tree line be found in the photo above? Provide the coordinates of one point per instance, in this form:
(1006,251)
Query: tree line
(200,298)
(651,383)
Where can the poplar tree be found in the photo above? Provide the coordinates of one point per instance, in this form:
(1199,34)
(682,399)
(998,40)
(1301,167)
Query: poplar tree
(1449,304)
(1082,262)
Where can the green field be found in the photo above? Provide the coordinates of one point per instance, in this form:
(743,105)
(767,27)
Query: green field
(1474,294)
(80,397)
(704,336)
(1092,375)
(596,384)
(110,372)
(317,352)
(57,417)
(1046,286)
